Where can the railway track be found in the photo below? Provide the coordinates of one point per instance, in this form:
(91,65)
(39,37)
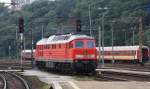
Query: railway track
(123,74)
(3,82)
(12,81)
(132,67)
(15,65)
(109,76)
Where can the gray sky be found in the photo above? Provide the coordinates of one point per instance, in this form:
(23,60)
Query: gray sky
(4,0)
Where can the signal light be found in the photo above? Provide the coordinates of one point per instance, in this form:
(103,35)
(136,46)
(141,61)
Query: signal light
(146,21)
(78,26)
(21,25)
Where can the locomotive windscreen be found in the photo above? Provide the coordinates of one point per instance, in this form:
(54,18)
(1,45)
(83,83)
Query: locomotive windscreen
(90,44)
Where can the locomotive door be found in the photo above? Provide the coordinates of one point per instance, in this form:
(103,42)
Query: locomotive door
(145,56)
(66,52)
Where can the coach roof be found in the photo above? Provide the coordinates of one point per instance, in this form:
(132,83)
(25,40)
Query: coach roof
(121,48)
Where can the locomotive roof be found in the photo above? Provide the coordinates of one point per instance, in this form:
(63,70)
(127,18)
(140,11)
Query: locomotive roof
(54,39)
(119,48)
(42,41)
(27,50)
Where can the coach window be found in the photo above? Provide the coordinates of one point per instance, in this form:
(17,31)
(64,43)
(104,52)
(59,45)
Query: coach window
(129,52)
(125,52)
(133,52)
(120,52)
(116,53)
(108,52)
(112,53)
(79,44)
(90,44)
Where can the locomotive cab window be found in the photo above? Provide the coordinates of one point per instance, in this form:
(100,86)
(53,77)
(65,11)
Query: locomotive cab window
(79,44)
(70,45)
(90,44)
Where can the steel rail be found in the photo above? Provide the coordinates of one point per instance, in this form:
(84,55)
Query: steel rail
(21,79)
(4,81)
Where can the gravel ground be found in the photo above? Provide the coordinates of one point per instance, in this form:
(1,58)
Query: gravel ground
(50,79)
(47,77)
(13,82)
(112,85)
(1,84)
(85,82)
(128,66)
(35,83)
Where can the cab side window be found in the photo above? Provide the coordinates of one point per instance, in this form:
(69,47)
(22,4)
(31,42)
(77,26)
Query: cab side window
(90,44)
(70,45)
(79,44)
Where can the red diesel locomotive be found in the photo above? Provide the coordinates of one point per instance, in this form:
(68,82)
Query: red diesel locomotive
(67,52)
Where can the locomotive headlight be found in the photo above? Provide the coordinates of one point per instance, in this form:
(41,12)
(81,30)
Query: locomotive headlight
(79,56)
(91,56)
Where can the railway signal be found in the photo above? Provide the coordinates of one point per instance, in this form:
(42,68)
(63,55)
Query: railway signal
(78,26)
(21,30)
(21,25)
